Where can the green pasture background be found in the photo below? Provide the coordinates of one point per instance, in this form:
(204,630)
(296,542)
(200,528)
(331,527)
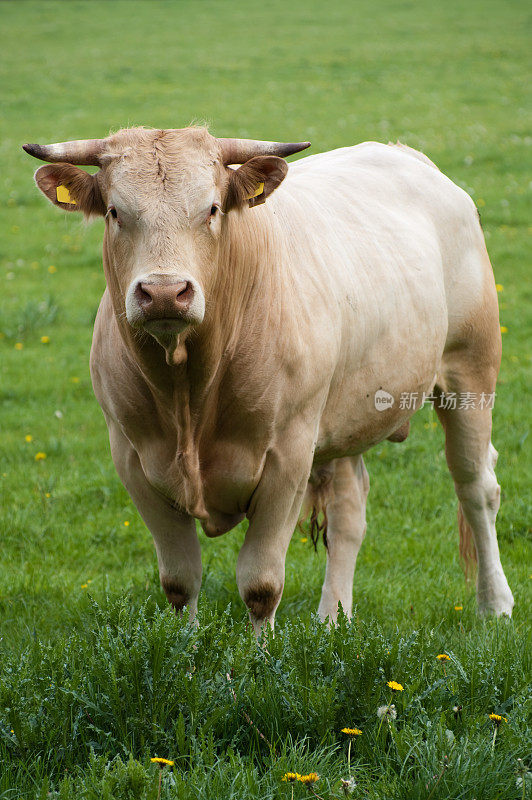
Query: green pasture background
(452,79)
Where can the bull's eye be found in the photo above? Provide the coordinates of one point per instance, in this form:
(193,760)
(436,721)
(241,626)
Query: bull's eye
(112,212)
(213,213)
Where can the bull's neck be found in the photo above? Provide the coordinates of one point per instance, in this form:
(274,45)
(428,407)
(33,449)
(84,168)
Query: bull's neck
(245,304)
(249,292)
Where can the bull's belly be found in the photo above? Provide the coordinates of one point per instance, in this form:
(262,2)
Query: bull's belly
(366,409)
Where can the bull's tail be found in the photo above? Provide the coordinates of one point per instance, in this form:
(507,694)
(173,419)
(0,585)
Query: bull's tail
(318,496)
(468,551)
(318,525)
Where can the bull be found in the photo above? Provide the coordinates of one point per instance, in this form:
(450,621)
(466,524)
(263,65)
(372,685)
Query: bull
(261,327)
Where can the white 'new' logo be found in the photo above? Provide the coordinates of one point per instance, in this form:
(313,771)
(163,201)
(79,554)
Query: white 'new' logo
(383,400)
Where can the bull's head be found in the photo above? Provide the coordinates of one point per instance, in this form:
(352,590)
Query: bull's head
(163,194)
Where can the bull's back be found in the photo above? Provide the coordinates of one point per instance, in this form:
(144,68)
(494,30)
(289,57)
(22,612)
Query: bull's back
(396,249)
(399,211)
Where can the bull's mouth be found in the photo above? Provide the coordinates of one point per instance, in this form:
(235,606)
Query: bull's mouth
(167,333)
(165,325)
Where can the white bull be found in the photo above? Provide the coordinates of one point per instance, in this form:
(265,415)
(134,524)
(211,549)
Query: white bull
(242,348)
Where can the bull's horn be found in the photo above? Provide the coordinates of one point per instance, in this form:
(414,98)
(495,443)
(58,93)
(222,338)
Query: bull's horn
(83,151)
(238,151)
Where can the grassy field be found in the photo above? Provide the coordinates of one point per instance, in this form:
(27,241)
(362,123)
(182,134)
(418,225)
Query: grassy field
(96,674)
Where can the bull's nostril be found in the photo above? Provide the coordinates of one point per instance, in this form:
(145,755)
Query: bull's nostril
(182,288)
(142,295)
(184,291)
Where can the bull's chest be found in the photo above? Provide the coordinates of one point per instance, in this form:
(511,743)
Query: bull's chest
(212,481)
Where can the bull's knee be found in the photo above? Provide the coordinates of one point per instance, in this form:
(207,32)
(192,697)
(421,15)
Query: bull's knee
(484,493)
(262,601)
(176,593)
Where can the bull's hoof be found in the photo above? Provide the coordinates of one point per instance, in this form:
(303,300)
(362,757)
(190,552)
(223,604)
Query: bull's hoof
(498,603)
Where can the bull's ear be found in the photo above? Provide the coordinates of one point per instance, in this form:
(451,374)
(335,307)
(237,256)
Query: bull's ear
(254,181)
(71,188)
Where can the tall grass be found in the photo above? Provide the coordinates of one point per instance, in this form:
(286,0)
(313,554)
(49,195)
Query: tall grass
(91,709)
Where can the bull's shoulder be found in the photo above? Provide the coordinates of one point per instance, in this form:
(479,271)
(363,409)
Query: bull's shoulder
(369,156)
(393,175)
(414,153)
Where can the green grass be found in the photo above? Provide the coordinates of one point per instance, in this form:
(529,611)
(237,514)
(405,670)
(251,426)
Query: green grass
(95,680)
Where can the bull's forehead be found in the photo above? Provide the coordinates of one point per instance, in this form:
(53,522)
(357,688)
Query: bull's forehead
(177,170)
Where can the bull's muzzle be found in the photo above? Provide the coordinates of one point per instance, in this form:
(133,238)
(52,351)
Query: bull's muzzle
(163,304)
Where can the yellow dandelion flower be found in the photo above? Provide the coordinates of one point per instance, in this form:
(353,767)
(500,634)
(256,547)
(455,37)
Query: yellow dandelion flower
(19,346)
(458,608)
(309,779)
(28,437)
(47,494)
(443,657)
(497,718)
(45,340)
(126,523)
(40,456)
(74,379)
(84,585)
(394,685)
(291,777)
(303,540)
(162,762)
(499,287)
(352,731)
(504,329)
(52,269)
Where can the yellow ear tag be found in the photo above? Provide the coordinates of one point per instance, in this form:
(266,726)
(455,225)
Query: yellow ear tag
(63,195)
(259,190)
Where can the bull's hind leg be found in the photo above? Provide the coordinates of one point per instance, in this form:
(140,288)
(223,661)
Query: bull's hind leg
(471,459)
(346,526)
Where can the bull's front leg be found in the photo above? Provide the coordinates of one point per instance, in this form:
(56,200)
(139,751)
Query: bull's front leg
(273,515)
(174,533)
